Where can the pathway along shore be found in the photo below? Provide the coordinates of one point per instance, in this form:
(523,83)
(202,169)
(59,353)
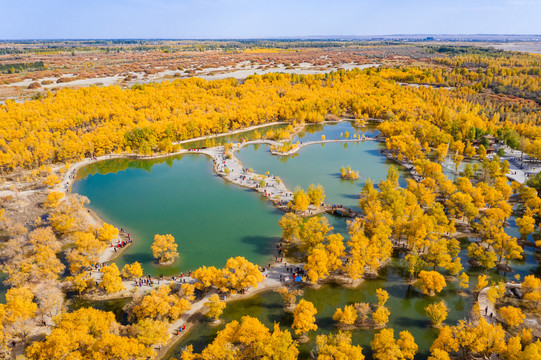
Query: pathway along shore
(271,281)
(270,186)
(274,189)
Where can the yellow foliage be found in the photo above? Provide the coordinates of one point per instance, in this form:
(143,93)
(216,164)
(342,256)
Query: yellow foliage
(164,248)
(313,232)
(84,334)
(107,233)
(464,280)
(161,305)
(316,194)
(237,274)
(432,282)
(495,292)
(513,316)
(317,265)
(290,224)
(531,286)
(303,317)
(437,312)
(53,200)
(381,316)
(215,307)
(386,347)
(383,296)
(478,339)
(348,316)
(52,180)
(250,339)
(80,282)
(19,304)
(132,271)
(337,346)
(482,282)
(111,281)
(151,332)
(526,224)
(301,200)
(289,296)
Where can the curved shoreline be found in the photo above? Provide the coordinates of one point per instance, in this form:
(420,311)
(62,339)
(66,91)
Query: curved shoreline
(303,145)
(275,190)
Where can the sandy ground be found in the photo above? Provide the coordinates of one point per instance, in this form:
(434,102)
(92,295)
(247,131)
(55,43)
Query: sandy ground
(104,81)
(533,47)
(240,72)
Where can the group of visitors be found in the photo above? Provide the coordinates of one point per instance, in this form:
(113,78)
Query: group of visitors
(182,278)
(98,266)
(122,243)
(144,281)
(181,328)
(297,275)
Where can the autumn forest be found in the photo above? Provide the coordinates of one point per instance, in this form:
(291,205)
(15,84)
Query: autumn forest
(459,124)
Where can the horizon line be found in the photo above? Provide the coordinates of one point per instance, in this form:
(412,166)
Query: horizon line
(536,37)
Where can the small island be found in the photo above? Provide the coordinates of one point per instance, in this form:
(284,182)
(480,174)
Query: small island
(348,174)
(359,123)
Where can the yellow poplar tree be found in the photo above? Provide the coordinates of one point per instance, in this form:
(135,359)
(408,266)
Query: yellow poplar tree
(348,316)
(300,200)
(381,316)
(87,333)
(437,312)
(337,346)
(161,305)
(164,248)
(513,316)
(431,282)
(317,266)
(132,271)
(383,296)
(289,296)
(107,233)
(386,347)
(303,318)
(53,200)
(290,224)
(215,307)
(464,281)
(531,287)
(316,194)
(151,332)
(526,224)
(482,282)
(111,281)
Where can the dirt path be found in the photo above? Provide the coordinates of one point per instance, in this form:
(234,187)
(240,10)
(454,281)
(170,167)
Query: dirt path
(271,281)
(303,145)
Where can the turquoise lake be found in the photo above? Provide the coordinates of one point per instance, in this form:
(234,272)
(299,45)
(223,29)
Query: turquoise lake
(213,220)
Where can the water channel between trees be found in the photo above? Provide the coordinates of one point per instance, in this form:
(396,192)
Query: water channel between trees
(213,220)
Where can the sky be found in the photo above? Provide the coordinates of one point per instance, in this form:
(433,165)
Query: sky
(220,19)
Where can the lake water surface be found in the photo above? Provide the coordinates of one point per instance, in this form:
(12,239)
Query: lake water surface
(213,220)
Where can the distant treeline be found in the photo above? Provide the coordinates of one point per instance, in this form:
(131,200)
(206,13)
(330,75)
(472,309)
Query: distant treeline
(118,46)
(20,67)
(463,50)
